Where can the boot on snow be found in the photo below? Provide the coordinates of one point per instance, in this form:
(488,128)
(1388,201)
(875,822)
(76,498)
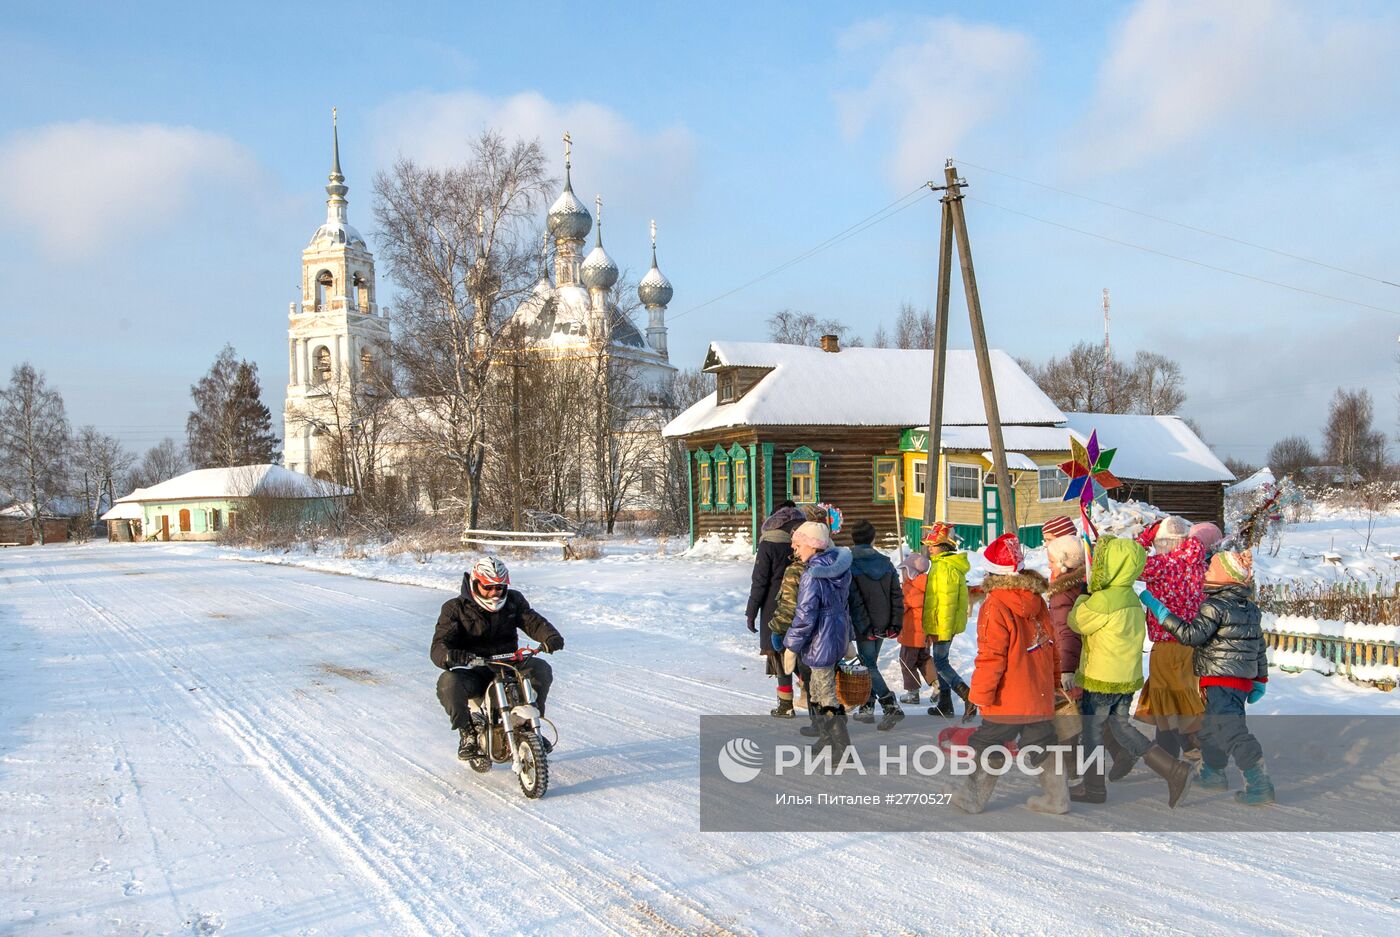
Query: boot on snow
(1055,791)
(1123,760)
(812,729)
(973,798)
(1212,779)
(892,713)
(944,706)
(969,708)
(467,748)
(909,696)
(1258,789)
(837,733)
(1091,788)
(866,712)
(1176,773)
(783,710)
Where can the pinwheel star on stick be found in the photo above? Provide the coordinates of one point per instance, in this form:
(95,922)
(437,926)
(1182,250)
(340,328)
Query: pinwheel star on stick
(1089,477)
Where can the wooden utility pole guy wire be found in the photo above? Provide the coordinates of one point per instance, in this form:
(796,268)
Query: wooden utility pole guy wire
(954,224)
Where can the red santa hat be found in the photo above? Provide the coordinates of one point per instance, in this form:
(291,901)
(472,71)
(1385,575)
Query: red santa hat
(1004,555)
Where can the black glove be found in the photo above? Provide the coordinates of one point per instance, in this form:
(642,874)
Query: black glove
(459,658)
(753,626)
(554,642)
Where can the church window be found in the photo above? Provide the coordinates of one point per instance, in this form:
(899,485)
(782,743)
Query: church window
(362,297)
(366,364)
(321,366)
(324,284)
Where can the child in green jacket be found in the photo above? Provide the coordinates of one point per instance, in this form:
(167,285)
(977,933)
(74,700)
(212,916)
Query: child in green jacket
(945,615)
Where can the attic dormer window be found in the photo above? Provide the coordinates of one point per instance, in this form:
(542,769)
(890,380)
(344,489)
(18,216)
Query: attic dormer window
(726,386)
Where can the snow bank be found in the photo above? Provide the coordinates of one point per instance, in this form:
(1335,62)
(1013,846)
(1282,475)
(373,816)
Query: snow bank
(1350,630)
(711,547)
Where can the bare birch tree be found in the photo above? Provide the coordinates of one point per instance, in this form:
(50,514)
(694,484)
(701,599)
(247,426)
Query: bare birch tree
(33,443)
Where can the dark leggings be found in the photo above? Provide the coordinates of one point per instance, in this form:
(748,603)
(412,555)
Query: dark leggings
(456,687)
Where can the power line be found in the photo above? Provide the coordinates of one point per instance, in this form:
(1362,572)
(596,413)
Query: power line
(869,221)
(1188,260)
(1182,225)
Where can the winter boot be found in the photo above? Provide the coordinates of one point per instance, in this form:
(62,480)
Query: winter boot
(973,798)
(1212,779)
(944,706)
(836,732)
(812,729)
(910,696)
(1170,741)
(467,748)
(866,712)
(1092,789)
(969,708)
(1177,774)
(1123,760)
(892,713)
(783,710)
(1258,789)
(1055,798)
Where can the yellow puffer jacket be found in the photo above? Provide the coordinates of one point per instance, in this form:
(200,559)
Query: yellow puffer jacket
(945,596)
(1111,619)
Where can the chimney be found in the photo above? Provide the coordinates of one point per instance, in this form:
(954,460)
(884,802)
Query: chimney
(831,343)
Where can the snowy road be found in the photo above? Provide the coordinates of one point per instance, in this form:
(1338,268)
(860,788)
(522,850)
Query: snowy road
(192,745)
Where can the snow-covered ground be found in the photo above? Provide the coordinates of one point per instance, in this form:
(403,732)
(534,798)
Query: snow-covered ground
(191,743)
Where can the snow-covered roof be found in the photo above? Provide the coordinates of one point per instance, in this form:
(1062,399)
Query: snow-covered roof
(1152,448)
(1253,483)
(124,511)
(241,481)
(1019,438)
(860,387)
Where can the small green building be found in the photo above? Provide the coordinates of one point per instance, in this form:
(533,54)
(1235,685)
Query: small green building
(206,503)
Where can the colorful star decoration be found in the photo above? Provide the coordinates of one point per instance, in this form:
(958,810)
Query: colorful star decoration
(1089,477)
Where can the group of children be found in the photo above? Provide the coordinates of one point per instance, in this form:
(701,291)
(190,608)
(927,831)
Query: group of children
(1058,660)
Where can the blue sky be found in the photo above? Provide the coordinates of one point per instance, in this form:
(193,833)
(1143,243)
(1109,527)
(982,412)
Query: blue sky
(160,172)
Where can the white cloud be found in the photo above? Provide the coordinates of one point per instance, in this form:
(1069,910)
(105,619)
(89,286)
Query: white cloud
(78,186)
(640,172)
(934,79)
(1179,69)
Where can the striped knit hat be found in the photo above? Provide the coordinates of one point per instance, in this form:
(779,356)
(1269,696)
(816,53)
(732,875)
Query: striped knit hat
(1229,568)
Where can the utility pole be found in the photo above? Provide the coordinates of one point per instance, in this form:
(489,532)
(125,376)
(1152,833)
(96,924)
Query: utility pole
(933,467)
(1107,348)
(955,226)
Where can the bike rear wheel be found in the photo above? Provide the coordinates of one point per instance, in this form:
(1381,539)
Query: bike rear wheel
(534,766)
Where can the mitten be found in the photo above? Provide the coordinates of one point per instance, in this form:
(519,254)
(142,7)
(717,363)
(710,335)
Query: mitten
(1256,694)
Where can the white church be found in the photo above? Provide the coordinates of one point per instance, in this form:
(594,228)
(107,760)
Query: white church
(339,334)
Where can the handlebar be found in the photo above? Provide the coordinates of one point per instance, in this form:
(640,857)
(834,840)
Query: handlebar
(513,657)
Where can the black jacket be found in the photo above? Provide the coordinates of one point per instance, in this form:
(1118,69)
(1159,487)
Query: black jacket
(465,629)
(875,602)
(1226,634)
(774,555)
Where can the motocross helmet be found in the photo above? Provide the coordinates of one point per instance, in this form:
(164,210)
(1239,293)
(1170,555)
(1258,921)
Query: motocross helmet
(489,580)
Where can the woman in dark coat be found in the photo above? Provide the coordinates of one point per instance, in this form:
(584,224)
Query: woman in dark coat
(773,556)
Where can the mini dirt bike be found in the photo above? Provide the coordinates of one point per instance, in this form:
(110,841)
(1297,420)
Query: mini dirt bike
(508,723)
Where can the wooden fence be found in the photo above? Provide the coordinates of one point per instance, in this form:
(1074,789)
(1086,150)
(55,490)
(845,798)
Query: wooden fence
(522,540)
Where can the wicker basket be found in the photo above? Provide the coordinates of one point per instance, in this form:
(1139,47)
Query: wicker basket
(852,686)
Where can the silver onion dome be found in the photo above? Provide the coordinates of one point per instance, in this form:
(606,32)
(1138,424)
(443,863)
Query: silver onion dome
(655,289)
(568,219)
(598,270)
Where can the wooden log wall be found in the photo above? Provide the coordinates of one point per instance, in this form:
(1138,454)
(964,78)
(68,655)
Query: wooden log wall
(1195,501)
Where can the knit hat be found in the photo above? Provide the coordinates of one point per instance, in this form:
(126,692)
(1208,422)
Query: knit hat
(862,532)
(1208,534)
(1003,555)
(914,565)
(940,533)
(1057,527)
(1228,568)
(1170,532)
(812,534)
(1066,552)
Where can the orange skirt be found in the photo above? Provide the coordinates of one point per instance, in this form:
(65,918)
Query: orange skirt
(1171,697)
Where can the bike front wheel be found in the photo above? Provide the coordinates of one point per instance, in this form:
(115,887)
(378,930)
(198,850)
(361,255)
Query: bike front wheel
(534,766)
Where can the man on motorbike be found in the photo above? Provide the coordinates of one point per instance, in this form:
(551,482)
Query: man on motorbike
(479,623)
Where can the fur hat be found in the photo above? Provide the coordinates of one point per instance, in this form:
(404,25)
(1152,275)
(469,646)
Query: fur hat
(812,534)
(1170,532)
(1208,534)
(1057,527)
(914,565)
(862,531)
(1230,568)
(940,534)
(1066,552)
(1004,555)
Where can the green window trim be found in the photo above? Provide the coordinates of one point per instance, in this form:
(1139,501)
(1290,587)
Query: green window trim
(704,471)
(875,475)
(740,476)
(800,456)
(724,479)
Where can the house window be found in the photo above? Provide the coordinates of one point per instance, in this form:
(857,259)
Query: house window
(184,520)
(963,482)
(216,520)
(721,483)
(885,467)
(739,458)
(646,482)
(704,473)
(1053,483)
(921,476)
(724,385)
(802,479)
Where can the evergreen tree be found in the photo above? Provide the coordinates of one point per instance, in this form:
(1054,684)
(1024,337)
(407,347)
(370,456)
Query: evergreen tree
(229,424)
